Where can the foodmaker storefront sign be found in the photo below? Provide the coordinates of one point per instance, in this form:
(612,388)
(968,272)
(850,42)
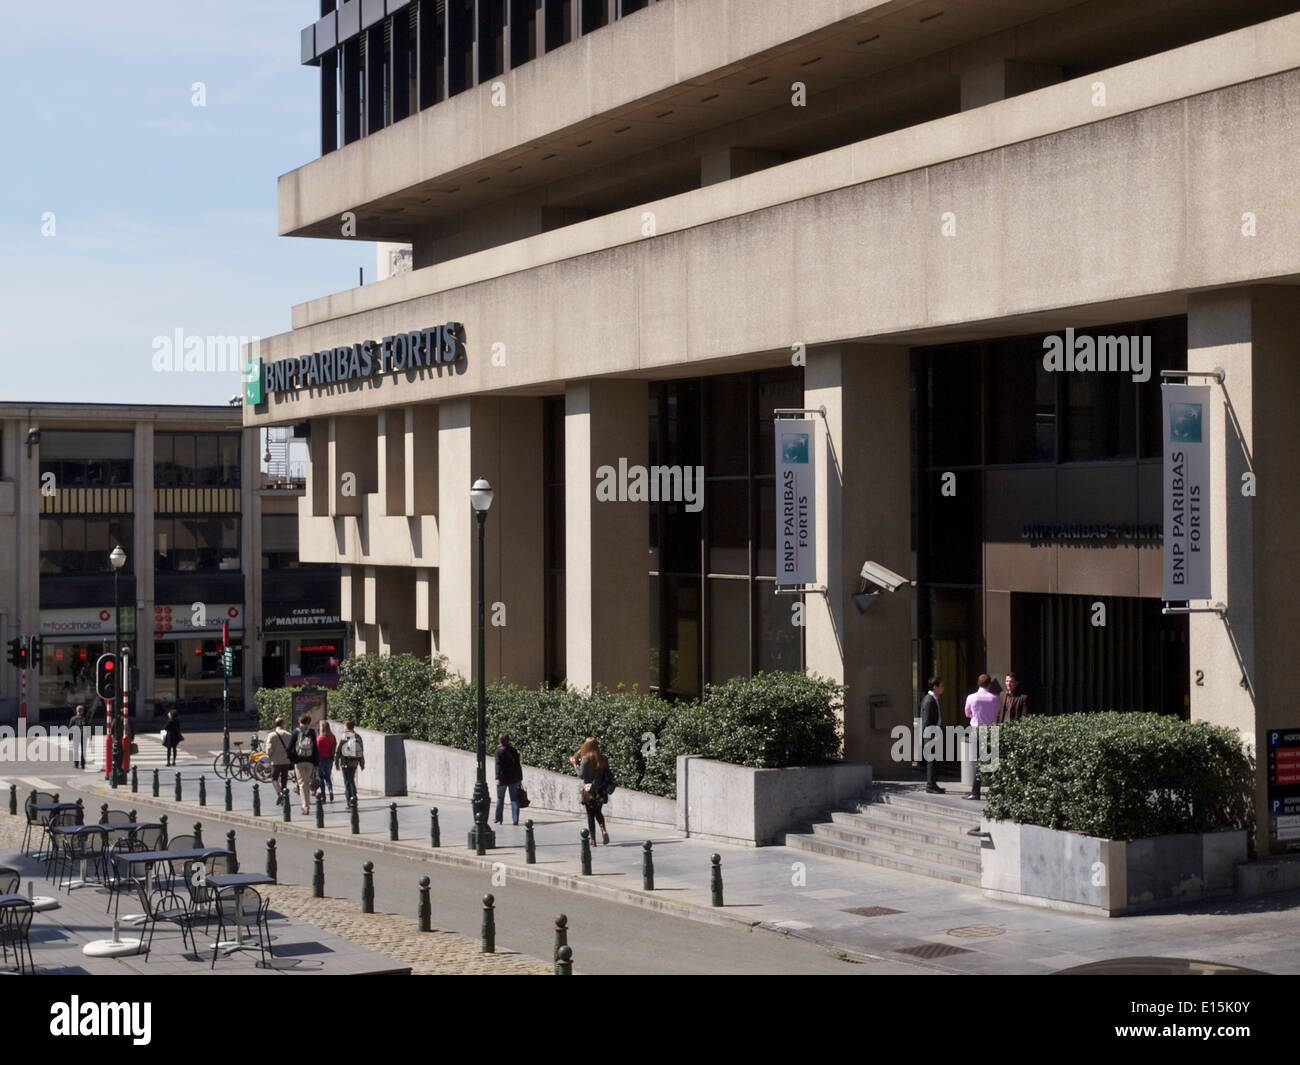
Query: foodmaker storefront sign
(434,346)
(1187,491)
(796,539)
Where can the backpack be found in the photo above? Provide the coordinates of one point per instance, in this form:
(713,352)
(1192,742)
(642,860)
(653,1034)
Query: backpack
(303,747)
(350,745)
(607,785)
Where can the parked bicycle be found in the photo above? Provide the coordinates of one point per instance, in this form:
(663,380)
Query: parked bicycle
(242,765)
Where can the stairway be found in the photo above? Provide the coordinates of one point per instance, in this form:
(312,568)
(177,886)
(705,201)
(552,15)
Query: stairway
(899,826)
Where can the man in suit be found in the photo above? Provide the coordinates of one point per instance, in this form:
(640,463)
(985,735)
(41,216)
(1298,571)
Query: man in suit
(931,742)
(1013,703)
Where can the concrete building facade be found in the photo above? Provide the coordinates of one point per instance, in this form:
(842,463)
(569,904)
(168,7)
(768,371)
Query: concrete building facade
(641,231)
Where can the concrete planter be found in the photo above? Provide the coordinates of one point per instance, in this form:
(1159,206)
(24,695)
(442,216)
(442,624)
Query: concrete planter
(736,804)
(1069,871)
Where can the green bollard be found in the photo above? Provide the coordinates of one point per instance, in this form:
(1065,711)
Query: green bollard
(356,818)
(13,800)
(424,907)
(392,820)
(155,782)
(367,887)
(564,962)
(271,869)
(715,878)
(586,852)
(203,791)
(133,816)
(178,787)
(435,833)
(135,779)
(257,800)
(234,855)
(198,833)
(489,926)
(530,844)
(561,935)
(320,812)
(162,820)
(230,803)
(647,867)
(103,814)
(318,877)
(81,813)
(480,834)
(284,802)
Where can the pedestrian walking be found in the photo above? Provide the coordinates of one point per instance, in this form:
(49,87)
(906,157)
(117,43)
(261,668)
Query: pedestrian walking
(279,743)
(78,727)
(305,759)
(982,709)
(325,745)
(597,785)
(171,736)
(510,774)
(932,735)
(1013,702)
(352,755)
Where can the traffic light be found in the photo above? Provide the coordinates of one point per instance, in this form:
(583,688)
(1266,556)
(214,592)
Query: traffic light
(106,683)
(18,652)
(35,652)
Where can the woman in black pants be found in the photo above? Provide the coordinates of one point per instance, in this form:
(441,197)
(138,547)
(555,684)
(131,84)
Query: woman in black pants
(593,768)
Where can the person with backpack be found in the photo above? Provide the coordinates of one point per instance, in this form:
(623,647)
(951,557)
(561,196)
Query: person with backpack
(352,754)
(325,744)
(597,785)
(305,759)
(510,774)
(278,746)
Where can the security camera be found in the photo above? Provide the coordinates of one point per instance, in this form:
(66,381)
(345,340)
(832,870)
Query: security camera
(882,577)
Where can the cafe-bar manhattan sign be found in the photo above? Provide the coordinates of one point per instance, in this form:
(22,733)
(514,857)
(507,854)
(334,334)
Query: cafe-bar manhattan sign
(436,345)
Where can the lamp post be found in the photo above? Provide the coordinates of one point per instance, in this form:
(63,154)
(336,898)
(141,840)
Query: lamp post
(480,498)
(117,558)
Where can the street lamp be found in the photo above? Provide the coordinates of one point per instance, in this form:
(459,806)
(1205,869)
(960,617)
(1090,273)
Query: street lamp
(481,836)
(117,558)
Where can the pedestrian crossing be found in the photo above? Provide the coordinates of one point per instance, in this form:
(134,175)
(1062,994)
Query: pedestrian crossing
(153,754)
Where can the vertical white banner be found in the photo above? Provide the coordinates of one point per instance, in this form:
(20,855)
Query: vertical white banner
(796,494)
(1186,491)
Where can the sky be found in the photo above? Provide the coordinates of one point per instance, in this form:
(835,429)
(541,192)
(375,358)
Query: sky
(128,213)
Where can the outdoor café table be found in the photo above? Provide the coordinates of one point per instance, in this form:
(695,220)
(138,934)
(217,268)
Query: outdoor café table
(76,830)
(150,858)
(238,881)
(128,828)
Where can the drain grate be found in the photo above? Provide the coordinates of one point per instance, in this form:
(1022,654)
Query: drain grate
(976,931)
(934,950)
(871,911)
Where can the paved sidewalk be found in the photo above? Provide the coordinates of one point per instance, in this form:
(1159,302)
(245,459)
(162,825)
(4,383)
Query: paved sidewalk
(848,906)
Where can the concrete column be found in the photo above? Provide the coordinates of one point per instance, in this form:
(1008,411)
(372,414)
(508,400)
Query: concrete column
(142,551)
(1245,662)
(1004,78)
(318,469)
(395,611)
(391,464)
(421,464)
(251,549)
(607,587)
(862,514)
(354,463)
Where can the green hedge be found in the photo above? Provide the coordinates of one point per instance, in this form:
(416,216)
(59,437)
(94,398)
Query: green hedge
(770,720)
(1121,776)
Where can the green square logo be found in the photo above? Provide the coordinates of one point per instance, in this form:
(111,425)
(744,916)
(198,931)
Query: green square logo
(252,382)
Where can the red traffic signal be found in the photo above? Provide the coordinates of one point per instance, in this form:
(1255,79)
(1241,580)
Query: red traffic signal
(106,682)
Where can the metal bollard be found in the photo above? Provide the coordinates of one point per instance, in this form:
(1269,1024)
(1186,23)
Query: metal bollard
(198,833)
(435,833)
(13,800)
(155,782)
(230,800)
(257,800)
(162,820)
(178,787)
(647,867)
(480,833)
(586,852)
(320,812)
(203,791)
(81,813)
(284,803)
(271,867)
(530,844)
(715,878)
(135,779)
(234,855)
(133,816)
(424,907)
(318,876)
(356,818)
(392,820)
(561,935)
(564,962)
(367,887)
(103,814)
(489,925)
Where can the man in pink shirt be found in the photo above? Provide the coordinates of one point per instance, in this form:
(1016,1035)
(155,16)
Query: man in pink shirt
(982,709)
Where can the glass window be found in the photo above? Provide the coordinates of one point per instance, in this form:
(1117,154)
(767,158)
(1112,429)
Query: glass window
(74,545)
(1169,352)
(229,448)
(780,641)
(183,471)
(1021,402)
(51,546)
(207,461)
(1101,412)
(953,418)
(728,513)
(728,629)
(728,427)
(683,635)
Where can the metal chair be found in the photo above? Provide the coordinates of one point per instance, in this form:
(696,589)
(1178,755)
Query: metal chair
(10,880)
(84,847)
(117,817)
(118,876)
(33,816)
(250,916)
(15,931)
(178,843)
(154,837)
(169,908)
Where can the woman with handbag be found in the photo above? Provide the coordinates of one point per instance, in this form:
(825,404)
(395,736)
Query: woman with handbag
(171,736)
(593,768)
(510,773)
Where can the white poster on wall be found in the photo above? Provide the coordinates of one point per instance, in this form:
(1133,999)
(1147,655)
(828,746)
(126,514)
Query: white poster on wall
(796,495)
(1187,491)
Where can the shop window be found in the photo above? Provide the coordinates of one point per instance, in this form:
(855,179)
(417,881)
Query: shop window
(71,545)
(1021,402)
(197,544)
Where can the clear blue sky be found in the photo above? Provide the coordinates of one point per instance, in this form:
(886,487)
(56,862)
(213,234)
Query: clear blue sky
(164,213)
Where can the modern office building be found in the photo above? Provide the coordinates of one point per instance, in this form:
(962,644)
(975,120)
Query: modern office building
(171,486)
(642,232)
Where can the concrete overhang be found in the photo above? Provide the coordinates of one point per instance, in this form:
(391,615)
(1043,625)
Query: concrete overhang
(660,75)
